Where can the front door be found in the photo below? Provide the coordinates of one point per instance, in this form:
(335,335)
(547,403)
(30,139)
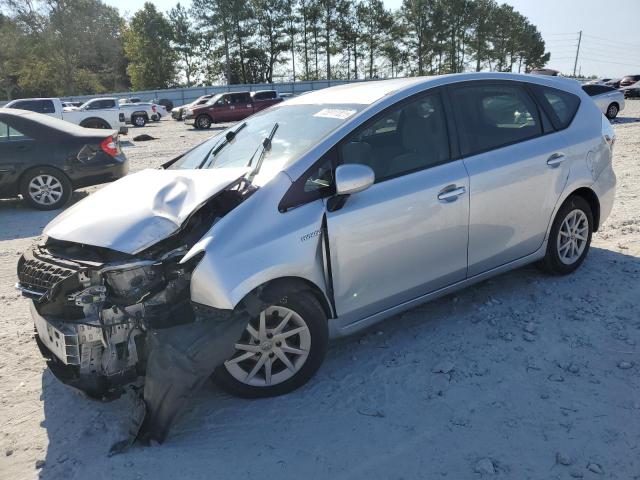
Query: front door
(407,234)
(516,173)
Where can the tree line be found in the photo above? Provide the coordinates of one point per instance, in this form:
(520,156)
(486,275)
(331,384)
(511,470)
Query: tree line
(73,47)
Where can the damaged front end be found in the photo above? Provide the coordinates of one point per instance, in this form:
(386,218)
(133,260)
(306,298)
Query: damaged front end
(91,315)
(104,318)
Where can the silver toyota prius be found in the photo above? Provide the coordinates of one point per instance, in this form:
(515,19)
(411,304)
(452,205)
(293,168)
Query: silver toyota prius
(316,218)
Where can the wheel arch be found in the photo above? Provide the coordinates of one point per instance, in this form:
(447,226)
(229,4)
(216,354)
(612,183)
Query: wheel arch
(282,286)
(23,174)
(88,120)
(592,199)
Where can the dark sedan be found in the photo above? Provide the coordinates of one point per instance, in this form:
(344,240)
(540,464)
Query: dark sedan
(44,159)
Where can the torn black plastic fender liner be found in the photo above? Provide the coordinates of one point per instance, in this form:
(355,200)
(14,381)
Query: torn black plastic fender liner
(182,358)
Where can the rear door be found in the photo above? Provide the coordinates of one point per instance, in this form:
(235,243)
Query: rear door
(241,106)
(516,166)
(16,150)
(406,235)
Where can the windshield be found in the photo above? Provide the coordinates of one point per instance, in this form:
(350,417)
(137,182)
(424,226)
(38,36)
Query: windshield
(299,128)
(214,99)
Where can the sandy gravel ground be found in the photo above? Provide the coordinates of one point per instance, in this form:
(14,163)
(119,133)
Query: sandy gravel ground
(521,377)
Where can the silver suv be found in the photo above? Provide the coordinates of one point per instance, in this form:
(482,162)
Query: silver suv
(313,219)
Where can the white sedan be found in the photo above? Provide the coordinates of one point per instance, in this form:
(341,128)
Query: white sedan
(608,99)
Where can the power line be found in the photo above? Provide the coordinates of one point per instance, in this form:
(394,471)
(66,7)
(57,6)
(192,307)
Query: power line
(607,40)
(607,61)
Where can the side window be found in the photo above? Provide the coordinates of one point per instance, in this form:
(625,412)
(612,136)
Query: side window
(16,135)
(590,90)
(491,116)
(224,100)
(564,105)
(8,133)
(403,140)
(46,106)
(317,182)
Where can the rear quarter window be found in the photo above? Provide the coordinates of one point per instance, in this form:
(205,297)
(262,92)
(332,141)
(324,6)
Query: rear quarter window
(562,106)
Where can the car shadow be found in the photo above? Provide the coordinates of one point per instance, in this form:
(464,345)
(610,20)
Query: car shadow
(19,220)
(217,431)
(622,120)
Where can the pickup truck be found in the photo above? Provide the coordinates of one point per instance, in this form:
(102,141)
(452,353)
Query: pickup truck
(228,107)
(140,113)
(95,113)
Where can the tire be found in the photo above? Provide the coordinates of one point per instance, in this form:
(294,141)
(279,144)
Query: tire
(612,111)
(304,310)
(139,120)
(561,259)
(203,122)
(59,188)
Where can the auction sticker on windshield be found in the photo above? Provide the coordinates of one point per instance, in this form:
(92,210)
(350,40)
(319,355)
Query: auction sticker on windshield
(338,113)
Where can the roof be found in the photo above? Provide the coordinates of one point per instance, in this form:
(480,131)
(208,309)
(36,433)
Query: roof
(369,92)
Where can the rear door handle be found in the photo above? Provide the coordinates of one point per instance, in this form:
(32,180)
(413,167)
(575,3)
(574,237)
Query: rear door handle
(450,193)
(556,159)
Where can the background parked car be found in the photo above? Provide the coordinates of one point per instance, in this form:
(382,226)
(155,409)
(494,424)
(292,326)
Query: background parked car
(226,107)
(178,112)
(629,80)
(139,114)
(44,159)
(614,82)
(610,100)
(631,92)
(96,113)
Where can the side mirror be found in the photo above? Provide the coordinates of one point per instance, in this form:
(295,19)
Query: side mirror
(353,178)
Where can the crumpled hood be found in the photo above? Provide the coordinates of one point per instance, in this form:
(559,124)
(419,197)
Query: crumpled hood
(141,209)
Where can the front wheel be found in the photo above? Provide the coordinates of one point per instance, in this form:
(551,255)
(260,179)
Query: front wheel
(612,111)
(45,188)
(279,351)
(570,237)
(203,121)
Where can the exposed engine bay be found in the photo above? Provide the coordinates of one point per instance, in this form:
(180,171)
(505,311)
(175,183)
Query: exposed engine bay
(95,309)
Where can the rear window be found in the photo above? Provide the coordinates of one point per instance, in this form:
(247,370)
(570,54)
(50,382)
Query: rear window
(265,95)
(38,106)
(563,105)
(492,116)
(592,90)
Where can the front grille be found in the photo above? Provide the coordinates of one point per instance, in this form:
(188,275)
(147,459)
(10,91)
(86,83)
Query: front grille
(40,272)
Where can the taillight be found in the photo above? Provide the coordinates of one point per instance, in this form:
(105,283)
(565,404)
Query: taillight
(153,107)
(110,146)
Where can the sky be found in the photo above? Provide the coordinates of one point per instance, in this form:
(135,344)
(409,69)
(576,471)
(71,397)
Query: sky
(610,44)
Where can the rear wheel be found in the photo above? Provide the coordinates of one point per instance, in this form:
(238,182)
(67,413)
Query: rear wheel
(139,120)
(612,111)
(203,121)
(279,351)
(570,237)
(45,188)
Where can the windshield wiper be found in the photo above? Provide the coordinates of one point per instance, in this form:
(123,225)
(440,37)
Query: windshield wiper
(264,147)
(228,138)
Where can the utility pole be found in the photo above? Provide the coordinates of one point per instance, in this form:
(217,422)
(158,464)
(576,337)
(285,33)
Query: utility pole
(575,64)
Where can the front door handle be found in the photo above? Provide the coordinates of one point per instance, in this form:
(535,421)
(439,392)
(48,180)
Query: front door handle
(556,159)
(450,193)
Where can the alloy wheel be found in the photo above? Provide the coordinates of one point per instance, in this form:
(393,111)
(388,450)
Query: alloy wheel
(204,122)
(612,111)
(45,189)
(272,349)
(572,236)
